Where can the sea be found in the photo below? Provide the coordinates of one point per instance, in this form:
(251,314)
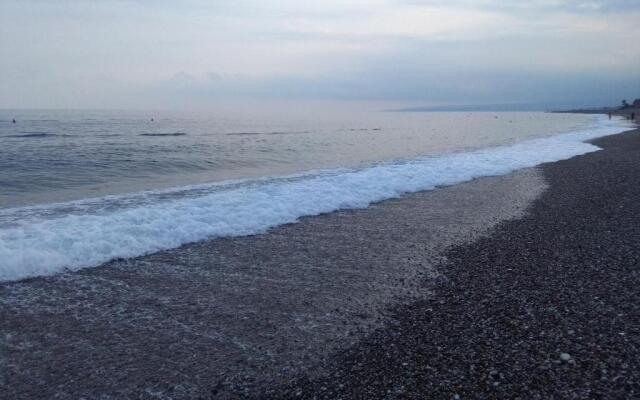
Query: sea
(79,188)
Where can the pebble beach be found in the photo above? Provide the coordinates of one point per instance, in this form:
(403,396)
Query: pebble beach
(518,286)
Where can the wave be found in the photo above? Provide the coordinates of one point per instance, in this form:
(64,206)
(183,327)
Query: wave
(164,134)
(31,135)
(359,129)
(267,133)
(36,246)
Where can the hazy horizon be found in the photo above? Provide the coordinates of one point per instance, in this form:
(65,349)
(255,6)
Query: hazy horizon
(119,54)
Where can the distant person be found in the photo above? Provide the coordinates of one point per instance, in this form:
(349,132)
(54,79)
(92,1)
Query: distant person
(633,116)
(13,120)
(151,119)
(609,115)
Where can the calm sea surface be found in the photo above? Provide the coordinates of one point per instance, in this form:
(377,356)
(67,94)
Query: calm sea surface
(54,156)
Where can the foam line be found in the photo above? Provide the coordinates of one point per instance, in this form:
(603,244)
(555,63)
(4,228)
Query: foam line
(43,246)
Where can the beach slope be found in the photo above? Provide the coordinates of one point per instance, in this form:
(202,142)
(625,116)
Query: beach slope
(519,286)
(546,307)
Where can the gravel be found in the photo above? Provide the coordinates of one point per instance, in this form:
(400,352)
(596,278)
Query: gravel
(224,317)
(546,307)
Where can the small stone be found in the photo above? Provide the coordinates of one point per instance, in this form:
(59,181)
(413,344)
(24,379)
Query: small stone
(565,357)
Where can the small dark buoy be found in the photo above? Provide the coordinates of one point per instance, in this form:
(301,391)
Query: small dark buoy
(13,120)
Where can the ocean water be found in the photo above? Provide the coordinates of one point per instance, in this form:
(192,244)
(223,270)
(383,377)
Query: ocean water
(79,188)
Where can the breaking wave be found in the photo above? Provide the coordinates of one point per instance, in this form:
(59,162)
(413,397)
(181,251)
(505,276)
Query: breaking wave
(46,240)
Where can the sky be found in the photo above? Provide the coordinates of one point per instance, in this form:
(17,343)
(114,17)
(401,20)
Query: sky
(197,53)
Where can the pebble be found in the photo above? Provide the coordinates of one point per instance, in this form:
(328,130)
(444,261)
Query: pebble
(574,262)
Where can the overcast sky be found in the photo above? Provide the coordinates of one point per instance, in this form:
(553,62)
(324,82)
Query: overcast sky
(192,53)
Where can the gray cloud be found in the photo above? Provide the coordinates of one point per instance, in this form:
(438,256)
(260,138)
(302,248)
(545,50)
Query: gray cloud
(121,53)
(577,6)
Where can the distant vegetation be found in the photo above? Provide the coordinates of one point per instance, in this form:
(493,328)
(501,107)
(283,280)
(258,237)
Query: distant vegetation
(635,104)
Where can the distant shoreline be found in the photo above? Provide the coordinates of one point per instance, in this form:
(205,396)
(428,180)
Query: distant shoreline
(521,108)
(625,112)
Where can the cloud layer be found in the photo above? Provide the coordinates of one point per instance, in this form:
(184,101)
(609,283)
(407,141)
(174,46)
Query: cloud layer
(136,53)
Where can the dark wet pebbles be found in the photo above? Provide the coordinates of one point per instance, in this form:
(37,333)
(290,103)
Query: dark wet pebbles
(547,307)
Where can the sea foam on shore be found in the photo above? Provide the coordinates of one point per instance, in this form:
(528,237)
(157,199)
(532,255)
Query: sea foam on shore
(46,240)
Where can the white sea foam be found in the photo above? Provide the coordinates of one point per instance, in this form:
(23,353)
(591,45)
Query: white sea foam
(44,244)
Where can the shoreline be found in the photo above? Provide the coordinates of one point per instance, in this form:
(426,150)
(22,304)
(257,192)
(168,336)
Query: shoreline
(243,316)
(72,236)
(235,315)
(614,111)
(544,307)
